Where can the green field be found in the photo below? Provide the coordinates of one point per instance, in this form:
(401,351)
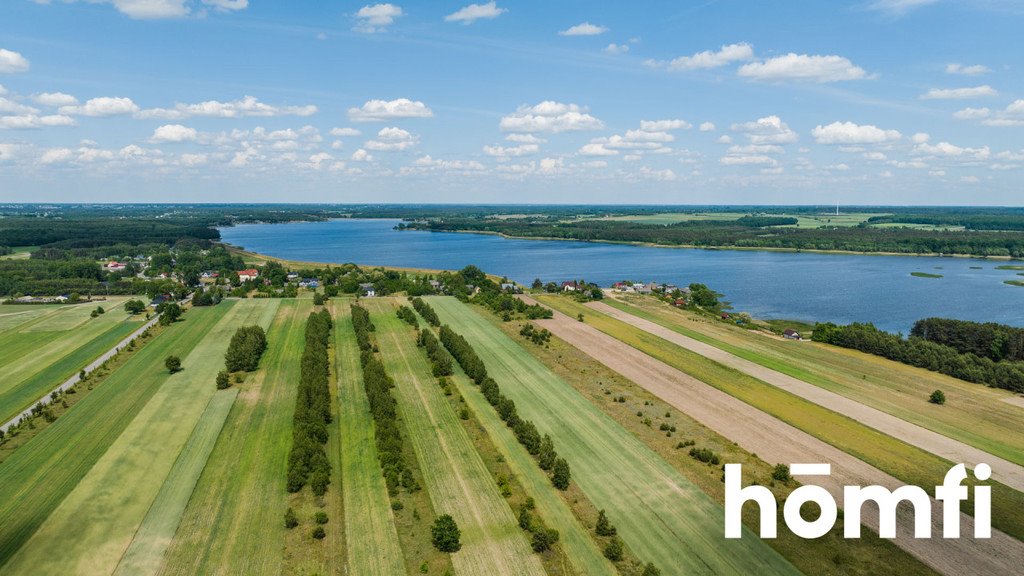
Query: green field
(19,253)
(660,515)
(40,349)
(978,416)
(886,453)
(803,220)
(240,495)
(371,537)
(139,462)
(36,478)
(454,474)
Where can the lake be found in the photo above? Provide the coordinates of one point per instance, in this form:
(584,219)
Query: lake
(805,286)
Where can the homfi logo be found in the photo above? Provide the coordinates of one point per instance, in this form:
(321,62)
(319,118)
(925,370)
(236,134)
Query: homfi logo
(950,494)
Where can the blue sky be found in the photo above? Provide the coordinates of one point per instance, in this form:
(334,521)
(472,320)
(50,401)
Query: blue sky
(870,102)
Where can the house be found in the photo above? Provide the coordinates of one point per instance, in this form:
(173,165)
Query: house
(679,303)
(642,288)
(115,266)
(311,283)
(367,290)
(159,299)
(248,274)
(292,276)
(652,287)
(435,284)
(571,286)
(725,315)
(509,287)
(790,334)
(619,286)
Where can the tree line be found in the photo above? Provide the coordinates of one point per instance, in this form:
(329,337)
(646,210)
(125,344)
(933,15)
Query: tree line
(307,461)
(997,342)
(406,314)
(426,311)
(440,360)
(542,448)
(923,353)
(383,407)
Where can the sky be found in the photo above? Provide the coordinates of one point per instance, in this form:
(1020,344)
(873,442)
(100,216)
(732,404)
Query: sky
(874,102)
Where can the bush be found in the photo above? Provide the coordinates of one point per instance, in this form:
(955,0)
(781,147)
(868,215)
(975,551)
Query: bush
(938,397)
(321,517)
(319,533)
(613,551)
(134,307)
(290,520)
(223,381)
(705,455)
(245,349)
(169,313)
(173,364)
(445,534)
(604,526)
(543,539)
(560,474)
(651,570)
(781,473)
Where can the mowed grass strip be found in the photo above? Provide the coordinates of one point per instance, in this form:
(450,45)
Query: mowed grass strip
(884,452)
(240,497)
(973,413)
(94,525)
(146,552)
(35,479)
(455,476)
(371,536)
(662,516)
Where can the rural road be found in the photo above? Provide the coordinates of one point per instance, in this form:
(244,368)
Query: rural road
(1004,471)
(88,369)
(776,441)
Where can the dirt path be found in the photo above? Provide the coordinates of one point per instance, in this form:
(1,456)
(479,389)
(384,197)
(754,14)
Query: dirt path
(1004,471)
(776,441)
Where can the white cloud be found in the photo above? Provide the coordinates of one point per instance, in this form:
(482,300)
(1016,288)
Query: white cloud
(550,116)
(665,175)
(524,138)
(379,110)
(970,179)
(898,7)
(972,113)
(227,5)
(767,130)
(105,106)
(803,67)
(428,163)
(376,18)
(29,121)
(193,159)
(876,156)
(707,127)
(708,59)
(752,149)
(748,160)
(973,70)
(920,138)
(8,151)
(362,156)
(507,151)
(945,149)
(551,165)
(616,49)
(173,133)
(341,132)
(55,99)
(584,29)
(11,62)
(850,133)
(725,139)
(959,93)
(390,140)
(840,167)
(56,156)
(8,106)
(247,106)
(469,14)
(596,149)
(663,125)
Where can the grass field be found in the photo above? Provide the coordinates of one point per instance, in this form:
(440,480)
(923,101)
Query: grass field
(660,515)
(139,462)
(240,496)
(454,474)
(974,414)
(19,253)
(371,537)
(48,346)
(888,454)
(35,479)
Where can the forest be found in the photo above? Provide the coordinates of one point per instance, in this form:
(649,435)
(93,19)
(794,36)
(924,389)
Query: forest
(990,340)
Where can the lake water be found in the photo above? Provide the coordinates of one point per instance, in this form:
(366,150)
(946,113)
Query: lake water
(801,286)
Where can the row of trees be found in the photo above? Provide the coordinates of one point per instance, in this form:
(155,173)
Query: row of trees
(440,360)
(542,448)
(923,354)
(307,461)
(997,342)
(383,407)
(507,306)
(426,311)
(406,314)
(245,349)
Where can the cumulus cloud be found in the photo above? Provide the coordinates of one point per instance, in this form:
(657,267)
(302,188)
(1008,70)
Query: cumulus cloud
(972,70)
(341,132)
(469,14)
(507,151)
(615,49)
(664,125)
(707,127)
(380,110)
(8,106)
(767,130)
(192,160)
(1012,115)
(11,62)
(173,133)
(596,149)
(362,156)
(55,99)
(850,133)
(748,160)
(803,67)
(945,149)
(708,58)
(390,140)
(56,156)
(376,18)
(959,93)
(30,121)
(105,106)
(424,163)
(972,113)
(247,106)
(584,29)
(227,5)
(525,138)
(550,116)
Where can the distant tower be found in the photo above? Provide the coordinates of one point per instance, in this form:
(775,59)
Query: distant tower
(837,208)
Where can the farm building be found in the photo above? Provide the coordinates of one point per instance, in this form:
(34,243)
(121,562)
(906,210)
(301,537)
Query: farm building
(791,334)
(248,274)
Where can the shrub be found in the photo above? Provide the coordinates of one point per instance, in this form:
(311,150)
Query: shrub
(445,534)
(321,517)
(134,307)
(290,520)
(613,551)
(705,455)
(937,397)
(651,570)
(604,526)
(543,539)
(781,473)
(173,364)
(223,381)
(319,533)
